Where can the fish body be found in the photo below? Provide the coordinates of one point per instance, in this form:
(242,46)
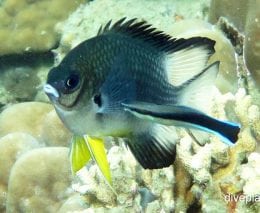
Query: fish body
(107,59)
(136,82)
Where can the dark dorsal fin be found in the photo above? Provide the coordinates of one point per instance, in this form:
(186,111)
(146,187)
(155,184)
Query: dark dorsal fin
(145,32)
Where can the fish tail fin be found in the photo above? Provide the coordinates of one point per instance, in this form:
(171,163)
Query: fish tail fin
(154,148)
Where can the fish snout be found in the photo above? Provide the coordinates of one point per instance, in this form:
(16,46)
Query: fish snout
(52,93)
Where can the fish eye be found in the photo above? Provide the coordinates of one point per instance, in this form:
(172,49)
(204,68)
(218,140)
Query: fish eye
(97,99)
(72,82)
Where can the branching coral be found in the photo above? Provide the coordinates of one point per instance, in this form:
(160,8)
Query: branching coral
(213,171)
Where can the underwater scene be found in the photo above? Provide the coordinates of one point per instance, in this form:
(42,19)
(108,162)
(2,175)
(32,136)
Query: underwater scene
(129,106)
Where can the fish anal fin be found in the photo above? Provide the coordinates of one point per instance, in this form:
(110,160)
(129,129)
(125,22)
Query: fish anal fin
(154,148)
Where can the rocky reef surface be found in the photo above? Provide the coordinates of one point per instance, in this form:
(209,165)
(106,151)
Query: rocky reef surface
(241,23)
(27,25)
(206,177)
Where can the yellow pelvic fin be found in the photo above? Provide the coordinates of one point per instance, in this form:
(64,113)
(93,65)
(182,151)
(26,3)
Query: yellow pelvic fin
(98,154)
(84,148)
(79,153)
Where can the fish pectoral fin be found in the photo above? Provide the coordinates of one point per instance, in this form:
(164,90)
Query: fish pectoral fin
(154,148)
(185,117)
(119,86)
(98,154)
(79,153)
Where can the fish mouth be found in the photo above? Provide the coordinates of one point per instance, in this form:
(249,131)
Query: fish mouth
(51,92)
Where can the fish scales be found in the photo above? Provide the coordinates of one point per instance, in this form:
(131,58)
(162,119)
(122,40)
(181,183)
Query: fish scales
(136,82)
